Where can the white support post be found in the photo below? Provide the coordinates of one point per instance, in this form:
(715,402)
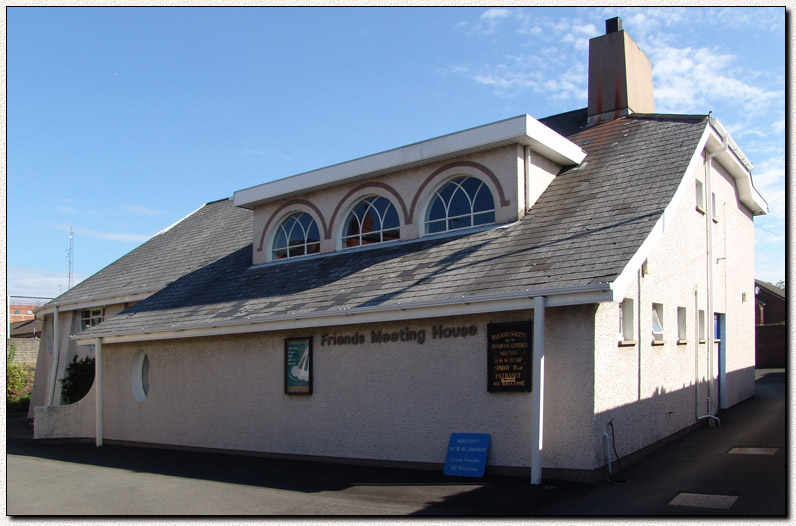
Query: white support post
(56,351)
(537,390)
(98,390)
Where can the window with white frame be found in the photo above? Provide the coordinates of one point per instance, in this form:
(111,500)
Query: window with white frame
(700,196)
(91,317)
(682,333)
(713,207)
(462,202)
(626,320)
(657,322)
(372,220)
(702,334)
(139,377)
(296,236)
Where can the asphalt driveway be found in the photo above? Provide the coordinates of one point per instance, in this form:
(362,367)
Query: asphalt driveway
(699,474)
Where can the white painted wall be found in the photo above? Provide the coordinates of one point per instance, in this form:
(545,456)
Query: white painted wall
(394,401)
(652,391)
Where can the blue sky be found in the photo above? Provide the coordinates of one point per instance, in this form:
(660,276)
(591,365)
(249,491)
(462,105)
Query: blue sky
(121,121)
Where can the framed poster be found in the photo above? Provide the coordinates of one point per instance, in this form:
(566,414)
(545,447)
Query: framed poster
(509,356)
(298,366)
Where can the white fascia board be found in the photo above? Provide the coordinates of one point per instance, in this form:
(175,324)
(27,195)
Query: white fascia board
(89,303)
(620,284)
(523,129)
(735,162)
(465,305)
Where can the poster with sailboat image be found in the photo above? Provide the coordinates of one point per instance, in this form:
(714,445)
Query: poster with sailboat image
(298,366)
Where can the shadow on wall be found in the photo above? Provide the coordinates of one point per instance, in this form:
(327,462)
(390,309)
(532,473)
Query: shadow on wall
(650,420)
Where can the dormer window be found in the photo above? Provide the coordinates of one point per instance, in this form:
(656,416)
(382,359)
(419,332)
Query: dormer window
(372,220)
(296,236)
(462,202)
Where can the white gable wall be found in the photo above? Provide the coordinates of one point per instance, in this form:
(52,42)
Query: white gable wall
(652,391)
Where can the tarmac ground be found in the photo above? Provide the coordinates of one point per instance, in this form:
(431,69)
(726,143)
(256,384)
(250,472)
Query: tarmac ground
(700,474)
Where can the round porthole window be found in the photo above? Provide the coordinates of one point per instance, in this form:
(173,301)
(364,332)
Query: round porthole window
(140,376)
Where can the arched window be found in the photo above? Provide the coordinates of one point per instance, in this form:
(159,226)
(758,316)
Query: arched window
(373,220)
(297,235)
(462,202)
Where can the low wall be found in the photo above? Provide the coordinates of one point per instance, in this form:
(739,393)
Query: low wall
(770,346)
(26,350)
(66,421)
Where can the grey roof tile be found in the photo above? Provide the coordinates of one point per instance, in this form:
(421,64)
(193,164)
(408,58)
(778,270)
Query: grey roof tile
(582,230)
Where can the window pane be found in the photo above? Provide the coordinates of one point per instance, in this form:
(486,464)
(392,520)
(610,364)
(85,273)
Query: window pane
(484,218)
(435,227)
(437,210)
(459,204)
(390,218)
(465,201)
(298,235)
(391,235)
(483,201)
(366,222)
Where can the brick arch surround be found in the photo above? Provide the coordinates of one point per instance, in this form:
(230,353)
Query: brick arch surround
(386,187)
(458,164)
(278,213)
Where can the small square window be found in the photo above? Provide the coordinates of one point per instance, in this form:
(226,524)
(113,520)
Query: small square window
(89,318)
(657,321)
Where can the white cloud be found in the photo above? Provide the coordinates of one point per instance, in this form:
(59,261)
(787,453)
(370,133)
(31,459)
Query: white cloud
(142,210)
(688,80)
(251,151)
(26,281)
(495,13)
(113,236)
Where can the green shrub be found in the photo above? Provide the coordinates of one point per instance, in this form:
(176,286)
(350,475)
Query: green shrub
(78,380)
(19,382)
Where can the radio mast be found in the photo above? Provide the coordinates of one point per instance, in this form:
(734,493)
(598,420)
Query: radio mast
(70,255)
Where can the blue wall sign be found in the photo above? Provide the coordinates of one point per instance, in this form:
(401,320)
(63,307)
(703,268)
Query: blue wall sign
(467,454)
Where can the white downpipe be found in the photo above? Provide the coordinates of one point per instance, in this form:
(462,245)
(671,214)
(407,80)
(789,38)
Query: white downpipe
(709,314)
(537,389)
(98,391)
(56,352)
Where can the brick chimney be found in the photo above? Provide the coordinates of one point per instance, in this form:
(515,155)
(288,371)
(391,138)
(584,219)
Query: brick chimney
(620,76)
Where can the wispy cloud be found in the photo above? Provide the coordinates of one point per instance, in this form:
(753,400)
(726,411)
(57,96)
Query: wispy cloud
(112,236)
(142,210)
(251,151)
(27,281)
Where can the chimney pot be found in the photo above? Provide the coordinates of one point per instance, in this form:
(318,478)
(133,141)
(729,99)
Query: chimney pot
(612,25)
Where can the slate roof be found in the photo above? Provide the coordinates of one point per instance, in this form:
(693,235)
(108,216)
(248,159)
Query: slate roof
(583,230)
(211,232)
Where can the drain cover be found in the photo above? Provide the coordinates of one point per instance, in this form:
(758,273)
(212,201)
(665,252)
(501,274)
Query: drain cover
(752,451)
(702,500)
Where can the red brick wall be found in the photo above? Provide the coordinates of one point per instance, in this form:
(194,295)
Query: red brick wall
(770,348)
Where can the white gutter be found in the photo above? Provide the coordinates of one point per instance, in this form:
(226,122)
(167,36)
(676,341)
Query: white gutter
(522,129)
(537,390)
(459,306)
(98,391)
(735,162)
